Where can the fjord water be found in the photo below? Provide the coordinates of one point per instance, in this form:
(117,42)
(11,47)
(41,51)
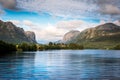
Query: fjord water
(61,65)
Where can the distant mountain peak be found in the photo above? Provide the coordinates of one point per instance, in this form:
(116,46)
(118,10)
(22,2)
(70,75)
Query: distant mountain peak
(108,27)
(31,36)
(71,34)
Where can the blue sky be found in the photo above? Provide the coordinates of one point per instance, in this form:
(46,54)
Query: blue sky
(27,15)
(42,18)
(51,19)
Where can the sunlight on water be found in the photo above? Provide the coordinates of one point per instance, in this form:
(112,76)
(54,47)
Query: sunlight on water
(61,65)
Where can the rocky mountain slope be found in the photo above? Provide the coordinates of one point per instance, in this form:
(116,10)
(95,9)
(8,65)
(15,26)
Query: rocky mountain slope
(105,34)
(13,34)
(70,35)
(31,36)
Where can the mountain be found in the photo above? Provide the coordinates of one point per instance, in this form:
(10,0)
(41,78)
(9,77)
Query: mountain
(59,41)
(102,36)
(13,34)
(70,35)
(31,36)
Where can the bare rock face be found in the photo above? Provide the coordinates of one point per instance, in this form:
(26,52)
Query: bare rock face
(31,36)
(70,35)
(107,31)
(100,31)
(13,34)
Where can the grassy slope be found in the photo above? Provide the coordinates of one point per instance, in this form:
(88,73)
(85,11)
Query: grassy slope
(101,42)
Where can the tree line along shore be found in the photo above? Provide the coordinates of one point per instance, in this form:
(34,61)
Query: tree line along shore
(8,47)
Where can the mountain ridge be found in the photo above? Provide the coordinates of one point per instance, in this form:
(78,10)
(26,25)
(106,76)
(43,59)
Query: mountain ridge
(105,34)
(13,34)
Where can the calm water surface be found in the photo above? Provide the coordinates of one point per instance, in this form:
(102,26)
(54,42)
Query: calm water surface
(61,65)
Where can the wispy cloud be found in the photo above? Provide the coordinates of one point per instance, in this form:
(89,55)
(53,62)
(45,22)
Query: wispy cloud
(66,8)
(110,9)
(101,9)
(69,25)
(29,23)
(16,22)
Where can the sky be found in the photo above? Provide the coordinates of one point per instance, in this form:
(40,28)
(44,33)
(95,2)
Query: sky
(51,19)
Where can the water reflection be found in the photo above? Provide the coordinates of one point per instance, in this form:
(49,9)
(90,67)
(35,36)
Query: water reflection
(16,66)
(61,65)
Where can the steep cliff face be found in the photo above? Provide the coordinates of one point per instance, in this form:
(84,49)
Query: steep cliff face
(70,35)
(31,36)
(105,32)
(10,33)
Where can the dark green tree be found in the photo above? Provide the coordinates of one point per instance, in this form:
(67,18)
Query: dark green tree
(7,47)
(117,47)
(27,46)
(50,43)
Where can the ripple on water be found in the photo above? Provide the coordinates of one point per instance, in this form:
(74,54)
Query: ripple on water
(61,65)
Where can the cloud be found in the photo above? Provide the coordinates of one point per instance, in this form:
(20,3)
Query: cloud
(64,8)
(56,32)
(49,33)
(28,23)
(101,9)
(16,22)
(1,10)
(110,9)
(10,4)
(69,25)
